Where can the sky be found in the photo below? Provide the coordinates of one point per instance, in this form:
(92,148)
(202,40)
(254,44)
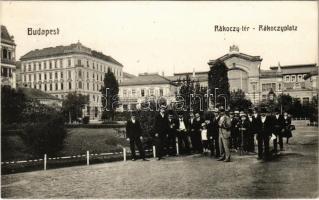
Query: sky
(168,36)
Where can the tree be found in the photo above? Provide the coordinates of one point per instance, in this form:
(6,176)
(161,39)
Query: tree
(217,78)
(109,92)
(284,102)
(238,100)
(73,105)
(13,103)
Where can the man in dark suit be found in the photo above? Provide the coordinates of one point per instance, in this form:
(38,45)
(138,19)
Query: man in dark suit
(265,130)
(278,130)
(171,137)
(215,135)
(252,130)
(134,136)
(182,134)
(161,131)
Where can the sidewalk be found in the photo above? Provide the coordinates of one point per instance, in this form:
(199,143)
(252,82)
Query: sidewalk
(293,175)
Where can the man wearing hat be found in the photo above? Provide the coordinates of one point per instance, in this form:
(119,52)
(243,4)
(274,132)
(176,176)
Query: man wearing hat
(244,131)
(235,131)
(161,130)
(278,129)
(134,136)
(214,134)
(224,125)
(252,130)
(171,136)
(182,134)
(264,131)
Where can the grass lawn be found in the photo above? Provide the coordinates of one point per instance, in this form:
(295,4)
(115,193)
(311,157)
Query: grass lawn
(95,140)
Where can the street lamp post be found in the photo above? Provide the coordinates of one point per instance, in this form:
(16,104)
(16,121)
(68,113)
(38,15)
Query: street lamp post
(215,97)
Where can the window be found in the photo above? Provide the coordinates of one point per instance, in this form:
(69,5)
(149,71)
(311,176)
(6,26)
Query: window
(287,78)
(70,86)
(56,75)
(279,86)
(124,93)
(61,63)
(34,67)
(50,75)
(80,74)
(39,77)
(151,91)
(79,62)
(61,75)
(80,85)
(40,66)
(268,86)
(93,75)
(300,78)
(69,62)
(93,65)
(133,92)
(50,87)
(29,67)
(297,86)
(87,86)
(34,77)
(4,53)
(50,64)
(87,63)
(293,78)
(45,77)
(56,86)
(61,86)
(45,87)
(142,92)
(69,74)
(55,64)
(29,77)
(161,92)
(45,65)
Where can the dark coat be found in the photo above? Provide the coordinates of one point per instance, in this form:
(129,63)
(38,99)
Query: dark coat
(254,124)
(133,130)
(215,127)
(265,129)
(185,123)
(161,125)
(278,124)
(287,123)
(172,127)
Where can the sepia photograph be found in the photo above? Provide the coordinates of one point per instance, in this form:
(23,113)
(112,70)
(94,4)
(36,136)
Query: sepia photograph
(159,99)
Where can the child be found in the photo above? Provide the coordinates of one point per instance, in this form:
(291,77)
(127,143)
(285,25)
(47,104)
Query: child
(204,138)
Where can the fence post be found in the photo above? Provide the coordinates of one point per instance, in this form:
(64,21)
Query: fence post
(87,158)
(45,162)
(154,151)
(124,154)
(177,147)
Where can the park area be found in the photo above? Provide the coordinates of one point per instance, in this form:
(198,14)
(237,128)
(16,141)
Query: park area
(293,174)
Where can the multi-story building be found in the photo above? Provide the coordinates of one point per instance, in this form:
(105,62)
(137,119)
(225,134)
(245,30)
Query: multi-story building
(244,73)
(8,49)
(135,90)
(74,68)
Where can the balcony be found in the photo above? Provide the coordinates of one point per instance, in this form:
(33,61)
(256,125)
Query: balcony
(8,61)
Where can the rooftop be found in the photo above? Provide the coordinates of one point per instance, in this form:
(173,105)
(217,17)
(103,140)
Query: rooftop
(6,37)
(146,79)
(70,49)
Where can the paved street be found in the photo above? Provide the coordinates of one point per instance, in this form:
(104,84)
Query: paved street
(293,175)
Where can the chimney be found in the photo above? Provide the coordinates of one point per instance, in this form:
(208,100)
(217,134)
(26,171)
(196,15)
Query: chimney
(163,73)
(193,72)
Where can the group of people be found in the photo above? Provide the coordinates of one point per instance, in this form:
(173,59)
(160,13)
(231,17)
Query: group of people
(216,133)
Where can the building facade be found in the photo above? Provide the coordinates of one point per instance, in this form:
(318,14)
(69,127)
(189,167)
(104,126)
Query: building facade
(8,64)
(144,87)
(73,68)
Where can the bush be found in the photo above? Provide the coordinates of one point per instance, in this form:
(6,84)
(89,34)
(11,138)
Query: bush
(86,120)
(45,137)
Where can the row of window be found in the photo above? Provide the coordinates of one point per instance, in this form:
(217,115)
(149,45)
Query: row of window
(294,78)
(60,63)
(61,86)
(60,75)
(6,72)
(142,92)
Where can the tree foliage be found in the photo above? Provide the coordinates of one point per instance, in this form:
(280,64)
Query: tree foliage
(110,99)
(73,105)
(218,78)
(13,103)
(239,101)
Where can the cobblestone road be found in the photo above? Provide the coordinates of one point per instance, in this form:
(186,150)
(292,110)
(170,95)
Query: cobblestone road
(293,175)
